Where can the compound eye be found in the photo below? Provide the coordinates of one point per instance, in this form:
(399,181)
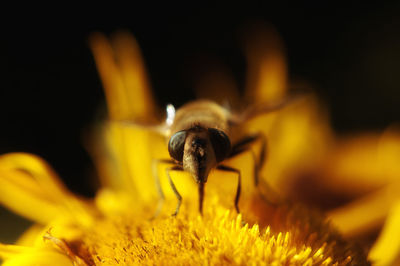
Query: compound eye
(221,143)
(176,145)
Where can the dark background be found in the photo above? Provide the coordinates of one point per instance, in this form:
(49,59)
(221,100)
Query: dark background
(50,91)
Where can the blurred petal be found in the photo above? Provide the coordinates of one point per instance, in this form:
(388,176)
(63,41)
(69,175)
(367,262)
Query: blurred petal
(137,89)
(367,213)
(266,64)
(122,151)
(298,137)
(110,155)
(30,187)
(114,88)
(114,202)
(123,75)
(215,82)
(132,151)
(7,251)
(20,255)
(386,249)
(38,168)
(44,258)
(31,235)
(32,194)
(361,163)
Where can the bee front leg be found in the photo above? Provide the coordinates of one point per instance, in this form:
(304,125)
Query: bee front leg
(239,186)
(244,145)
(178,196)
(157,181)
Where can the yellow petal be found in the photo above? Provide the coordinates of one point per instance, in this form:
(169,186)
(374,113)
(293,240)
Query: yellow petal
(370,212)
(30,236)
(35,166)
(126,87)
(361,163)
(115,202)
(215,82)
(126,158)
(39,259)
(7,251)
(124,152)
(386,249)
(19,193)
(137,88)
(298,137)
(118,105)
(111,157)
(352,166)
(267,71)
(30,187)
(20,255)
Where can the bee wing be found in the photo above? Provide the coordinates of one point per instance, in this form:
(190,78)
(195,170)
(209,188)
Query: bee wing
(262,108)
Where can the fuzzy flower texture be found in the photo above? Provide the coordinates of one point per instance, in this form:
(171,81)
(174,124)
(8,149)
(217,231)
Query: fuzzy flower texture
(322,199)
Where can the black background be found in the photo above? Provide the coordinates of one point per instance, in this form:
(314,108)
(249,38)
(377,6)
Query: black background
(50,90)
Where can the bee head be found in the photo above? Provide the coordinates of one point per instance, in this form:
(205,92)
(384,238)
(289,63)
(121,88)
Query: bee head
(199,149)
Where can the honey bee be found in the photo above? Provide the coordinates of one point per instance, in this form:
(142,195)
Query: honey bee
(199,139)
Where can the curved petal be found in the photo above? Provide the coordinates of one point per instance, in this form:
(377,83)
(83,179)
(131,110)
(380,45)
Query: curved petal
(124,79)
(30,187)
(35,166)
(25,197)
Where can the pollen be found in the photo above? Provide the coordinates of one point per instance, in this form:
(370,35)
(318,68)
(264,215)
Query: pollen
(220,237)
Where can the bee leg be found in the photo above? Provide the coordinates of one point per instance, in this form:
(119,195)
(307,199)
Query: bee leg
(160,192)
(245,145)
(239,186)
(178,196)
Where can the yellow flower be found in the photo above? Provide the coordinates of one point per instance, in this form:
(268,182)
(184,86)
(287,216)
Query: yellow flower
(117,227)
